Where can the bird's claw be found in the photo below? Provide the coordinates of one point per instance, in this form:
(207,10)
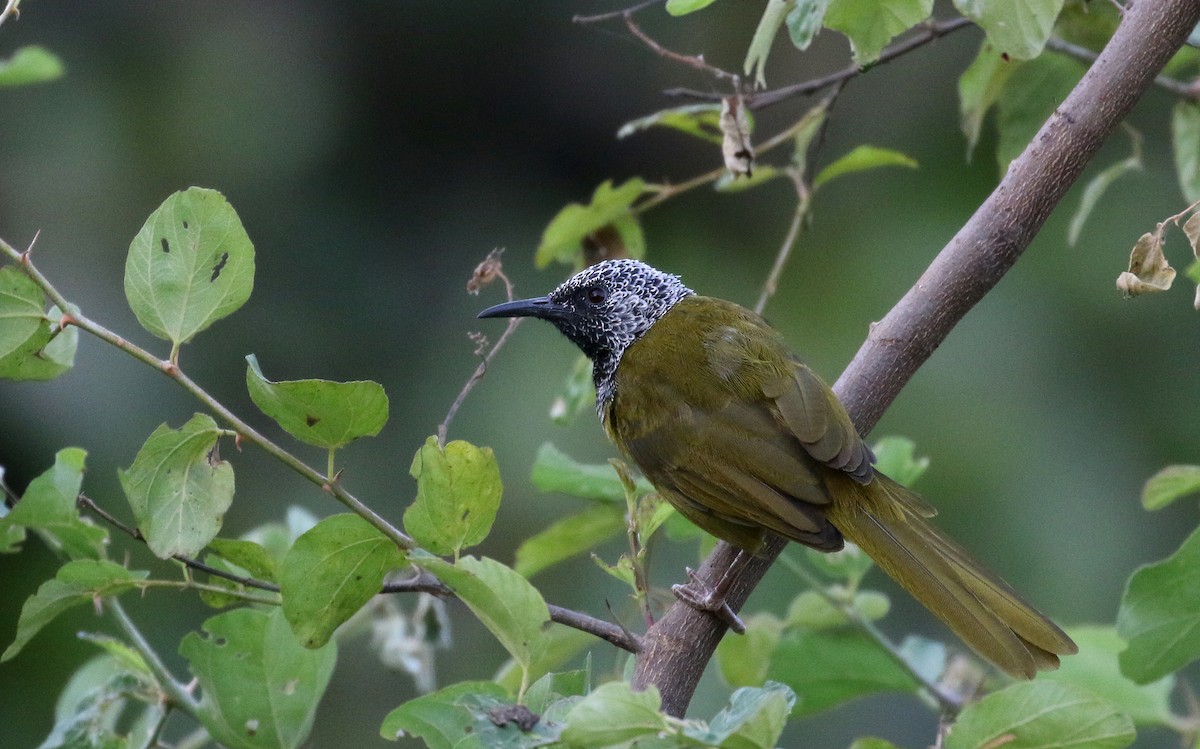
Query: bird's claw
(702,597)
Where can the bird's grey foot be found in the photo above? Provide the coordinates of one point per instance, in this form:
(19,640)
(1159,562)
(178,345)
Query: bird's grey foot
(703,597)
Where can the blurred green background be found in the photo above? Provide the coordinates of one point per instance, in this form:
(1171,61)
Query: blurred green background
(376,151)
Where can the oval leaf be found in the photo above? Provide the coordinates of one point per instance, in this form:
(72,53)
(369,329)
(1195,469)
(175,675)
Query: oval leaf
(178,488)
(1018,28)
(860,159)
(1041,715)
(870,25)
(511,608)
(260,687)
(319,412)
(331,572)
(49,507)
(568,537)
(31,64)
(190,265)
(1170,484)
(21,310)
(614,714)
(562,241)
(458,493)
(1160,615)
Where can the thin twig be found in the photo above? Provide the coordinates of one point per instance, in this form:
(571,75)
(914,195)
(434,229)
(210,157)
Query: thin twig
(177,693)
(789,243)
(692,61)
(244,430)
(616,13)
(763,99)
(10,9)
(1182,89)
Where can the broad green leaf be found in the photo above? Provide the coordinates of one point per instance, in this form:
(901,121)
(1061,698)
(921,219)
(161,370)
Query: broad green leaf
(698,120)
(1018,28)
(555,471)
(1160,615)
(128,657)
(250,556)
(830,667)
(568,537)
(1170,484)
(1095,669)
(1041,715)
(1185,142)
(331,573)
(1095,189)
(21,311)
(813,611)
(860,159)
(511,608)
(849,565)
(1029,98)
(77,582)
(979,88)
(562,241)
(552,687)
(440,719)
(47,354)
(458,493)
(30,64)
(755,718)
(49,508)
(260,688)
(804,20)
(559,644)
(895,457)
(613,714)
(277,537)
(743,661)
(764,37)
(319,412)
(179,488)
(871,24)
(189,266)
(872,742)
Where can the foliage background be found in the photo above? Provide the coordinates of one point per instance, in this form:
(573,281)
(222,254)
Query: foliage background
(376,150)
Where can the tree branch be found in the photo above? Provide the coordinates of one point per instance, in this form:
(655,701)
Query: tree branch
(677,648)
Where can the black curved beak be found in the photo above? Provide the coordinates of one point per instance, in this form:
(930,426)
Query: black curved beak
(541,306)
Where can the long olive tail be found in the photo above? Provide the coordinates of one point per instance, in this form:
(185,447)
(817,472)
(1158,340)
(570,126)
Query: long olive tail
(887,521)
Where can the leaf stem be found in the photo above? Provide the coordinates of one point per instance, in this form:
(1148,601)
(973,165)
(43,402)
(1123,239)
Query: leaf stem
(177,693)
(244,430)
(789,242)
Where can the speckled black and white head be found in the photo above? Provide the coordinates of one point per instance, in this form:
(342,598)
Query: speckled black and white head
(603,309)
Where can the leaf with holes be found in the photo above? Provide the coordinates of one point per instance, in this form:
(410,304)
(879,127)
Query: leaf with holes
(458,494)
(179,488)
(190,265)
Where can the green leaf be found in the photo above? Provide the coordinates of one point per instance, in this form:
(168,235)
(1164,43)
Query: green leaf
(568,537)
(94,701)
(562,241)
(698,120)
(1095,669)
(250,556)
(49,508)
(804,20)
(331,573)
(1018,28)
(77,582)
(871,24)
(872,742)
(458,493)
(260,688)
(1185,142)
(440,719)
(1170,484)
(559,644)
(979,88)
(683,7)
(860,159)
(730,182)
(830,667)
(1095,189)
(613,714)
(189,266)
(179,488)
(622,570)
(578,393)
(755,718)
(1033,91)
(319,412)
(30,64)
(743,661)
(1160,615)
(764,37)
(47,354)
(21,310)
(1041,715)
(813,611)
(895,457)
(511,608)
(555,471)
(850,564)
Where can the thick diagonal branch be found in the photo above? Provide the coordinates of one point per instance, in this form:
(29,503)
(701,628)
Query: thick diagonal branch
(677,648)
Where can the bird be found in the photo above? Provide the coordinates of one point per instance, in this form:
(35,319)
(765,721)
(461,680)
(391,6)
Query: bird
(747,442)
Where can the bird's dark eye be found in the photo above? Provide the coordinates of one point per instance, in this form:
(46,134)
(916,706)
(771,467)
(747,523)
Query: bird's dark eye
(595,295)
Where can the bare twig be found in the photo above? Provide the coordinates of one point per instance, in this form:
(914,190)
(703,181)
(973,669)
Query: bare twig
(10,10)
(763,99)
(177,693)
(789,243)
(1182,89)
(616,13)
(676,649)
